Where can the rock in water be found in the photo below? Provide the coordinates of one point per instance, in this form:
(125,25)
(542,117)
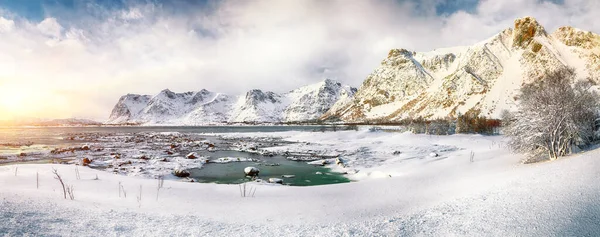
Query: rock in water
(339,162)
(181,173)
(192,155)
(275,180)
(85,161)
(251,171)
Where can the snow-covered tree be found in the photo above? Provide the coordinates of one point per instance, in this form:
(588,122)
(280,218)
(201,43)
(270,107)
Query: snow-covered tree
(554,113)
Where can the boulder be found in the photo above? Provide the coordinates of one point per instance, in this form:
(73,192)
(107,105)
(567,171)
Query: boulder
(85,147)
(181,173)
(339,161)
(251,171)
(192,155)
(86,161)
(433,154)
(275,180)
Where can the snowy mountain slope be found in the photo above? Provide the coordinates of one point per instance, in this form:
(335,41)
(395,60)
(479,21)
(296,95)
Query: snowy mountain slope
(258,106)
(167,107)
(205,107)
(310,102)
(303,104)
(215,110)
(483,78)
(128,108)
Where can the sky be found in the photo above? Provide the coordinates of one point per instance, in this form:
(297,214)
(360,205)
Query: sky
(75,58)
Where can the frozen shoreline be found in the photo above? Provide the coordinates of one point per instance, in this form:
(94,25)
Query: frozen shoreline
(494,195)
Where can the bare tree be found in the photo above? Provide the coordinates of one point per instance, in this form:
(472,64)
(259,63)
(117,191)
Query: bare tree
(55,172)
(554,114)
(70,191)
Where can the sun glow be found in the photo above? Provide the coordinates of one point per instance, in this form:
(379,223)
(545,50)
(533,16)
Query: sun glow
(12,103)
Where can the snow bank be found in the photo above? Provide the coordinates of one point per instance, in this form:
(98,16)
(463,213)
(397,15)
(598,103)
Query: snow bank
(402,194)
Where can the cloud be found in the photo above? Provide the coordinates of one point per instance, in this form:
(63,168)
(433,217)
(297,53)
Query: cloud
(78,61)
(50,27)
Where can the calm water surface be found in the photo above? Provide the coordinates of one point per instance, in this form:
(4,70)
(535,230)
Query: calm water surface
(46,138)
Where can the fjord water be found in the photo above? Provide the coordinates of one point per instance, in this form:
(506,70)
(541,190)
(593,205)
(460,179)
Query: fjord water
(46,138)
(270,167)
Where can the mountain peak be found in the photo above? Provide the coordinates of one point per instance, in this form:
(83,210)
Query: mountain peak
(571,36)
(330,82)
(397,52)
(168,93)
(526,29)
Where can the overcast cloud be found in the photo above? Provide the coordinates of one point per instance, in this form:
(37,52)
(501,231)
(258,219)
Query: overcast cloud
(78,60)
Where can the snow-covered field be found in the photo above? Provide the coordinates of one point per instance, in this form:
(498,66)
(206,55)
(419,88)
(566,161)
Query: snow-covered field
(406,185)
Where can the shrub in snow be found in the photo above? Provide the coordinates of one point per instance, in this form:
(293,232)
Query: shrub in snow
(553,115)
(472,122)
(244,192)
(67,189)
(251,171)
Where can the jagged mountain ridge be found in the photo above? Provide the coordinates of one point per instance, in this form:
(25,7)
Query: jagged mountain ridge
(204,107)
(483,79)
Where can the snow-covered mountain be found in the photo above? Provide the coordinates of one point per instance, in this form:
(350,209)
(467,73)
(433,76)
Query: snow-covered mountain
(128,108)
(483,78)
(205,107)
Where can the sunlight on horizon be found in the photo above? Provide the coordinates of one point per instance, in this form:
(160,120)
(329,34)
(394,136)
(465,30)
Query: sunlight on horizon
(21,102)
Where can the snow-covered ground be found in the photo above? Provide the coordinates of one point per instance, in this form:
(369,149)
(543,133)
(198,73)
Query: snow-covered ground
(402,190)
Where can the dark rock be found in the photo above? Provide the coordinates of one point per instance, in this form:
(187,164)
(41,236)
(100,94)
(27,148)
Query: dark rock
(251,171)
(181,173)
(86,161)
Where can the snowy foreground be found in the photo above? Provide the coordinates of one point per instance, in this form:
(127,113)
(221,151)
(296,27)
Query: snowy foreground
(472,187)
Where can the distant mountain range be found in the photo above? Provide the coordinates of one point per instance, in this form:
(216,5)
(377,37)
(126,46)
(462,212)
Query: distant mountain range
(481,79)
(50,122)
(204,107)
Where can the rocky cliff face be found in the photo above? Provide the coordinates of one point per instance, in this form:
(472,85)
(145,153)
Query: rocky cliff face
(483,78)
(205,107)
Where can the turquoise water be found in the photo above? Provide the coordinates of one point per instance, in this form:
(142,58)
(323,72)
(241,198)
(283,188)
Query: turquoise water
(40,139)
(233,172)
